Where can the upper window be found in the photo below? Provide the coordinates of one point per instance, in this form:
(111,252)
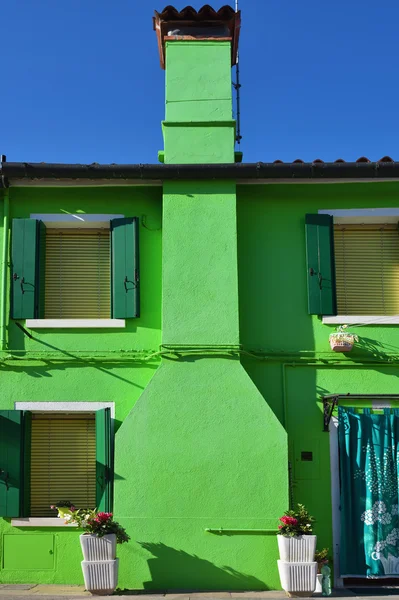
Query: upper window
(78,272)
(367,269)
(352,268)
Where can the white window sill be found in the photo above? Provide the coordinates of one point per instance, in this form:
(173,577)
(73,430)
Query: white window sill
(362,320)
(75,323)
(39,522)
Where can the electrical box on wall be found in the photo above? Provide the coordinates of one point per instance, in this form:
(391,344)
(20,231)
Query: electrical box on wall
(28,552)
(306,460)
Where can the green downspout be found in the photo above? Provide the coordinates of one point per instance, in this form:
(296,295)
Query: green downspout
(4,269)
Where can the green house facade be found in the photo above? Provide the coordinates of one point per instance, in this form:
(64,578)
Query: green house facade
(164,340)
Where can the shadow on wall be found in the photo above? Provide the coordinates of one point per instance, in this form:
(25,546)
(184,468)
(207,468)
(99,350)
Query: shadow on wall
(170,566)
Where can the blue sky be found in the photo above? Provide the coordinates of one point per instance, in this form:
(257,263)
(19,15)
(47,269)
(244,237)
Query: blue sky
(81,80)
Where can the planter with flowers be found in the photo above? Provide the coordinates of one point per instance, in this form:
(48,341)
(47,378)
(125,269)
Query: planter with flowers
(98,542)
(342,340)
(297,544)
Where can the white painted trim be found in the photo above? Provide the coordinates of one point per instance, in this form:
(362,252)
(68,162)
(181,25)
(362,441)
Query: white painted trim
(362,320)
(75,323)
(335,500)
(40,522)
(65,406)
(361,212)
(78,218)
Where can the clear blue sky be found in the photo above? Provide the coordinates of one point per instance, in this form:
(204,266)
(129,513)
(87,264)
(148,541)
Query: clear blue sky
(81,80)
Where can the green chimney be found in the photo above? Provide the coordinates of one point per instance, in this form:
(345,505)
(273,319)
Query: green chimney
(197,50)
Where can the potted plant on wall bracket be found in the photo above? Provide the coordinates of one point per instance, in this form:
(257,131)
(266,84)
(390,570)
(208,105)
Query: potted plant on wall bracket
(342,340)
(98,542)
(297,544)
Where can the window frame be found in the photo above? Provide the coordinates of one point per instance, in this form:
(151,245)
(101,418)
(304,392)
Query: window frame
(76,221)
(61,407)
(359,216)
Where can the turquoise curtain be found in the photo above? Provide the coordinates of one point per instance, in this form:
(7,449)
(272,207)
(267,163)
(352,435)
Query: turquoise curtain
(369,455)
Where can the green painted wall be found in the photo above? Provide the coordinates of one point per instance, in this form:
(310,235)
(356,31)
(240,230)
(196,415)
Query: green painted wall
(200,280)
(81,365)
(198,126)
(299,366)
(204,446)
(198,81)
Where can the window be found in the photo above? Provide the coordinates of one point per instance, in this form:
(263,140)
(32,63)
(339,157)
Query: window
(63,461)
(352,268)
(77,272)
(77,267)
(367,269)
(52,456)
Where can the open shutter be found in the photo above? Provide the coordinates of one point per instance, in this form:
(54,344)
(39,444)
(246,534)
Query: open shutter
(26,251)
(320,264)
(125,268)
(104,460)
(11,463)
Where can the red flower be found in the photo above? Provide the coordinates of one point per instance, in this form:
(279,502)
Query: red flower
(103,516)
(289,520)
(280,526)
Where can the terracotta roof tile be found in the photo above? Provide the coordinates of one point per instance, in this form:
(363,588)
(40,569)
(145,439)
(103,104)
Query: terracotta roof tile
(190,17)
(319,161)
(206,13)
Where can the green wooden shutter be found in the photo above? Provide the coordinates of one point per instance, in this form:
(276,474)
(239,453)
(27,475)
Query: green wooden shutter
(104,460)
(11,462)
(320,265)
(27,454)
(125,268)
(25,268)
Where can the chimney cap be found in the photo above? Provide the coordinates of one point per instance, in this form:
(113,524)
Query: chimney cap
(206,16)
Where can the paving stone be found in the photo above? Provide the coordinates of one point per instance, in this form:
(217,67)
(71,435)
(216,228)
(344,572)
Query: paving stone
(61,590)
(19,586)
(264,594)
(210,595)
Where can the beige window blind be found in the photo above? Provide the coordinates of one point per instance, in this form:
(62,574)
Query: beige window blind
(77,274)
(63,461)
(367,269)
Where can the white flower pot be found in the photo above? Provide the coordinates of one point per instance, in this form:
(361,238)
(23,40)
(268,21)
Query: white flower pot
(297,549)
(298,579)
(318,589)
(98,548)
(101,577)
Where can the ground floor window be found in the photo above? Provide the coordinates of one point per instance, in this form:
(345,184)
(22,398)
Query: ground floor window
(50,456)
(63,461)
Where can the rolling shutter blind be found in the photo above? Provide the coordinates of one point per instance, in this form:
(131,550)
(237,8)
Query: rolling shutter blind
(367,269)
(77,274)
(63,461)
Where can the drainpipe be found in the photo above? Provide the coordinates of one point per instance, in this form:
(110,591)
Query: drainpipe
(4,269)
